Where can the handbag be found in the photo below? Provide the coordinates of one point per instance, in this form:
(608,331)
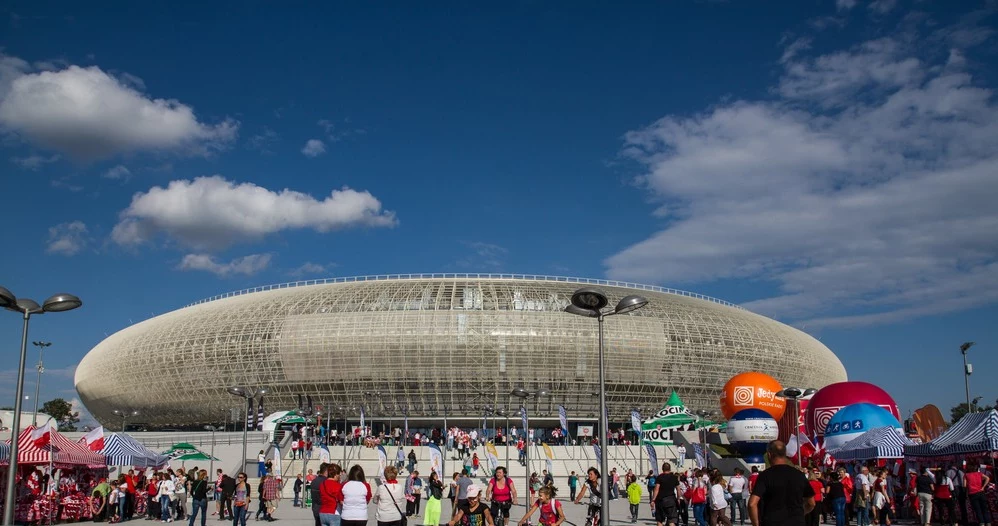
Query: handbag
(699,495)
(404,521)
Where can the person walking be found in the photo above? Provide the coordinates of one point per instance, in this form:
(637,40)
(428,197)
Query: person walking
(271,492)
(315,490)
(943,498)
(399,459)
(633,496)
(389,499)
(665,499)
(475,463)
(241,500)
(198,489)
(736,487)
(180,494)
(412,461)
(501,493)
(166,490)
(718,501)
(814,479)
(331,495)
(782,494)
(261,509)
(573,485)
(837,494)
(299,483)
(356,496)
(975,482)
(925,486)
(435,491)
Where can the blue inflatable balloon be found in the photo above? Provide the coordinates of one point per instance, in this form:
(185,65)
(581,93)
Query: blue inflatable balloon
(750,431)
(854,420)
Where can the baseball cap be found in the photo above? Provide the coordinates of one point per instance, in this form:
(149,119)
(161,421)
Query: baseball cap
(473,491)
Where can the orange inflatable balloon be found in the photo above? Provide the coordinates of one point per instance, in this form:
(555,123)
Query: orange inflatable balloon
(752,390)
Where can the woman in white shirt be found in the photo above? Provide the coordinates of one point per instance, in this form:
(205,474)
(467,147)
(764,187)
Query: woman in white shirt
(166,489)
(718,504)
(356,495)
(390,498)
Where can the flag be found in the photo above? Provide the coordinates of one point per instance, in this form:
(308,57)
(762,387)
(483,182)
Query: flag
(324,453)
(599,454)
(250,415)
(807,449)
(563,418)
(259,415)
(94,439)
(405,434)
(523,421)
(308,399)
(652,458)
(436,460)
(41,436)
(301,407)
(636,421)
(490,451)
(699,454)
(277,462)
(362,428)
(382,462)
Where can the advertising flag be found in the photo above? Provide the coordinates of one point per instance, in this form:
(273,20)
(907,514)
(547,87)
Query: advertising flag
(405,432)
(324,453)
(259,414)
(523,420)
(490,450)
(94,439)
(652,458)
(599,454)
(636,421)
(382,462)
(548,452)
(363,428)
(436,460)
(250,415)
(277,462)
(563,418)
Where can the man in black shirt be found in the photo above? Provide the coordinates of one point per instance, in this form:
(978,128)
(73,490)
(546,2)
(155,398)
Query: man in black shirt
(665,499)
(316,494)
(781,495)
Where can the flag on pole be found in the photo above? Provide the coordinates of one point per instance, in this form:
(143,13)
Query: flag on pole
(652,458)
(277,462)
(436,460)
(699,454)
(382,462)
(523,421)
(490,451)
(259,414)
(599,454)
(405,434)
(94,439)
(40,436)
(636,421)
(362,427)
(563,418)
(324,453)
(250,415)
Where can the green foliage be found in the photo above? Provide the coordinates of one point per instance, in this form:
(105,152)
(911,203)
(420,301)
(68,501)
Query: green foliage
(62,412)
(957,412)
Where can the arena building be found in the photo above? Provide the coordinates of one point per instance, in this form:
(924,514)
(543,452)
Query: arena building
(425,345)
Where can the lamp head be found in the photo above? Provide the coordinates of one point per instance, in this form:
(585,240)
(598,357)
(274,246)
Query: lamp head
(790,392)
(27,306)
(261,391)
(543,392)
(572,309)
(809,391)
(589,298)
(630,303)
(61,303)
(966,347)
(237,391)
(520,392)
(7,299)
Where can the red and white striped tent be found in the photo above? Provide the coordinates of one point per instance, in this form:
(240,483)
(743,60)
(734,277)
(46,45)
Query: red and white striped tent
(63,452)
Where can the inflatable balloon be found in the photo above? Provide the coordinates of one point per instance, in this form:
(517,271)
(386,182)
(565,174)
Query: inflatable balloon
(752,390)
(854,420)
(827,401)
(750,431)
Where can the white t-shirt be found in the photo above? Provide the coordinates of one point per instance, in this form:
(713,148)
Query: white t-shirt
(261,458)
(862,480)
(355,501)
(166,488)
(736,485)
(682,452)
(717,500)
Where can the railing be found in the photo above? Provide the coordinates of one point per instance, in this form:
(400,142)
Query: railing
(199,438)
(528,277)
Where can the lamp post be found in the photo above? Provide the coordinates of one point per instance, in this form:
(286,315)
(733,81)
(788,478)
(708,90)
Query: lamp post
(523,394)
(27,307)
(795,394)
(211,463)
(967,369)
(38,380)
(124,416)
(591,303)
(249,393)
(505,441)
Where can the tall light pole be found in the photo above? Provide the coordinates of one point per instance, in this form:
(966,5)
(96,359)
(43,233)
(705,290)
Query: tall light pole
(795,394)
(211,463)
(523,394)
(124,416)
(967,369)
(38,380)
(591,303)
(27,307)
(249,393)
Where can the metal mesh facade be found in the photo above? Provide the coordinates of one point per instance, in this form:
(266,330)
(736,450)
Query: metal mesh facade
(430,344)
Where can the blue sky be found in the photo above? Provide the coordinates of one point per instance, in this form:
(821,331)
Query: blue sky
(828,163)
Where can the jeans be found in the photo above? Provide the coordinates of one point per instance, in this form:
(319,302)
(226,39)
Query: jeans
(571,493)
(122,500)
(698,510)
(925,505)
(297,498)
(634,512)
(329,519)
(239,516)
(737,507)
(164,508)
(195,504)
(863,515)
(980,506)
(840,511)
(261,469)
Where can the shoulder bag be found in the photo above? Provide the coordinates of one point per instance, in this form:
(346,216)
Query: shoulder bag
(405,520)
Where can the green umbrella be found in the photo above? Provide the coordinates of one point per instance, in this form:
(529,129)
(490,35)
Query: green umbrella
(195,455)
(181,448)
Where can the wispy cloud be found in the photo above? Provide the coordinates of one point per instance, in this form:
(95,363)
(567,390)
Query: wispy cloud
(34,162)
(67,239)
(246,265)
(313,148)
(482,255)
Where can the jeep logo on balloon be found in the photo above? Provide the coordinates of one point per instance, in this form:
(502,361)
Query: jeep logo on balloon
(752,390)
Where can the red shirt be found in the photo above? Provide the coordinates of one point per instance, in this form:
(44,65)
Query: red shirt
(974,481)
(332,495)
(751,480)
(817,486)
(130,482)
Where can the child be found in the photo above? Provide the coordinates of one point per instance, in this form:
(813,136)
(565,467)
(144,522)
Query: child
(634,497)
(113,513)
(551,512)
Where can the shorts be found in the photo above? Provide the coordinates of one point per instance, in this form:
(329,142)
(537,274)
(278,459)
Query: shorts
(272,503)
(500,510)
(667,511)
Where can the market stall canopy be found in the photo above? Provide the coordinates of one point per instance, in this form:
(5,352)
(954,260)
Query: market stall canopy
(123,450)
(60,451)
(4,454)
(879,442)
(975,433)
(673,416)
(276,419)
(195,455)
(157,460)
(178,449)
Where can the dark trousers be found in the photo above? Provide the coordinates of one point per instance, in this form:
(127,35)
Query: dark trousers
(960,495)
(571,493)
(198,504)
(226,508)
(737,507)
(684,512)
(980,505)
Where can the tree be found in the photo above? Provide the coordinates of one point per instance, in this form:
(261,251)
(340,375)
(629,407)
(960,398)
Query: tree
(62,411)
(959,410)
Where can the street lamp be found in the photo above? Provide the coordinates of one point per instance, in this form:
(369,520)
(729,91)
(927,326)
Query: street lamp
(967,369)
(124,416)
(211,463)
(523,394)
(27,307)
(796,394)
(38,380)
(591,303)
(249,393)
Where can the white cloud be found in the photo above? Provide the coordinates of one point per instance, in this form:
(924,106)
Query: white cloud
(310,269)
(34,162)
(117,172)
(67,239)
(882,6)
(210,213)
(264,141)
(865,192)
(845,5)
(483,256)
(246,265)
(313,148)
(89,114)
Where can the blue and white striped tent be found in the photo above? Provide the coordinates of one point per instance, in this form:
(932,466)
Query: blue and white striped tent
(974,434)
(123,450)
(879,442)
(4,453)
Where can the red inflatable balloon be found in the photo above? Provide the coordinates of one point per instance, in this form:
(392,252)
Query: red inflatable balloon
(826,402)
